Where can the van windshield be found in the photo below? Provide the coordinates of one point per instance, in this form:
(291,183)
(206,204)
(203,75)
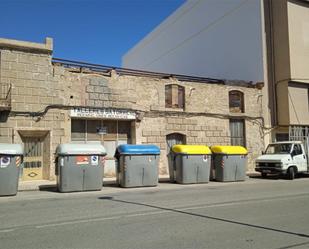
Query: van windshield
(278,149)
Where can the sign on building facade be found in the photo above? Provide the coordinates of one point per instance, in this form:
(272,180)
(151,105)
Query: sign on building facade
(106,113)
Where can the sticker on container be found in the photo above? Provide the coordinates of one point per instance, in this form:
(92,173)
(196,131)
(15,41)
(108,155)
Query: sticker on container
(82,160)
(94,160)
(149,159)
(4,161)
(205,158)
(18,161)
(61,161)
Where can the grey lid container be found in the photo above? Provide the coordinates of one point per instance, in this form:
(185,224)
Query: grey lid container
(81,149)
(11,149)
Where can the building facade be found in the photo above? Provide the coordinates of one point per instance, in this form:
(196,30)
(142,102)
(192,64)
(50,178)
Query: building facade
(47,101)
(255,40)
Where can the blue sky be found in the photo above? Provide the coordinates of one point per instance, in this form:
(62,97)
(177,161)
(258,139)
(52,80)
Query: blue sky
(96,31)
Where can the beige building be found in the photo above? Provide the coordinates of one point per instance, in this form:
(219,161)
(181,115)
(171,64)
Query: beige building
(287,66)
(255,40)
(46,101)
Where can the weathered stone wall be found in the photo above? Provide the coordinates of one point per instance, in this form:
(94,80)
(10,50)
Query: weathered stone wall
(37,83)
(33,88)
(205,119)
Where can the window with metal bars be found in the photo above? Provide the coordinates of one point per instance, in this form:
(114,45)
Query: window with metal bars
(237,131)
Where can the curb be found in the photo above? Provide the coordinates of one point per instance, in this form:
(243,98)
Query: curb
(52,185)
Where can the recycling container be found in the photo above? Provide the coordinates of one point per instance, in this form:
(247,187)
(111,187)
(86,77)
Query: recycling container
(137,165)
(80,167)
(11,156)
(189,164)
(230,163)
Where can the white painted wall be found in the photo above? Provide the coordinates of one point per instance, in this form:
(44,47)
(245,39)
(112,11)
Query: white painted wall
(209,38)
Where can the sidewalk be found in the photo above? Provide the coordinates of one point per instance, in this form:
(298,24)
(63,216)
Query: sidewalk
(46,184)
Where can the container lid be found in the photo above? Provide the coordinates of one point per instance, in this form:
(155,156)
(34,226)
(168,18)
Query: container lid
(230,150)
(80,149)
(11,149)
(138,149)
(191,149)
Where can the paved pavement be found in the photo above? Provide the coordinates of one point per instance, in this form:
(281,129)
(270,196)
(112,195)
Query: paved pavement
(258,213)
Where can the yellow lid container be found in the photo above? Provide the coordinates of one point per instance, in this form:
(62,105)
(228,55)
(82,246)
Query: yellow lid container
(191,149)
(229,149)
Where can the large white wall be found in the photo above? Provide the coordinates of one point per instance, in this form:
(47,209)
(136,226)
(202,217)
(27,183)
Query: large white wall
(209,38)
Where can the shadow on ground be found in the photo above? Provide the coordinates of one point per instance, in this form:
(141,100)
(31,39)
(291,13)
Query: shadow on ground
(110,198)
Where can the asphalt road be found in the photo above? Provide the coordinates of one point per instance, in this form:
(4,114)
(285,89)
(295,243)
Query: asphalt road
(253,214)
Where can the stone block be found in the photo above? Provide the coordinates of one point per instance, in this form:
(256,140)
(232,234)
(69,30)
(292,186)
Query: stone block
(6,65)
(170,121)
(90,89)
(98,103)
(39,76)
(107,90)
(58,132)
(155,133)
(9,74)
(107,104)
(46,100)
(151,140)
(5,131)
(216,134)
(176,127)
(25,75)
(161,139)
(103,97)
(31,68)
(94,96)
(44,69)
(18,66)
(9,56)
(98,89)
(197,127)
(146,133)
(193,133)
(5,139)
(193,121)
(169,127)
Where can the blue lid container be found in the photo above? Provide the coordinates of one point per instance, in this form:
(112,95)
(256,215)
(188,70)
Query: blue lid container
(140,149)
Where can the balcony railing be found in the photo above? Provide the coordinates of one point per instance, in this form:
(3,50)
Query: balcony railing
(5,96)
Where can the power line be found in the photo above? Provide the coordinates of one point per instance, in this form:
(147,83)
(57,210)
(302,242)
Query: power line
(168,25)
(210,25)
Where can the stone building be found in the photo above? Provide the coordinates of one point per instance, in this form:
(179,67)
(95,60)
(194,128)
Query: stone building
(46,101)
(265,40)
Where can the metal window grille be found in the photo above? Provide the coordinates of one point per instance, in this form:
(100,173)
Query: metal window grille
(175,138)
(237,131)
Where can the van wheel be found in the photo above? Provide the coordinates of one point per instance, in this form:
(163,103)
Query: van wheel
(264,175)
(291,173)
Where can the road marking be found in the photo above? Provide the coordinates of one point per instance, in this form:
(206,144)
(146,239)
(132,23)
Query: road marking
(7,230)
(77,222)
(145,213)
(163,210)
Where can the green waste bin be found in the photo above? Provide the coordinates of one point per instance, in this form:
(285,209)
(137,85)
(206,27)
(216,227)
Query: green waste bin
(189,164)
(11,156)
(230,163)
(80,167)
(137,165)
